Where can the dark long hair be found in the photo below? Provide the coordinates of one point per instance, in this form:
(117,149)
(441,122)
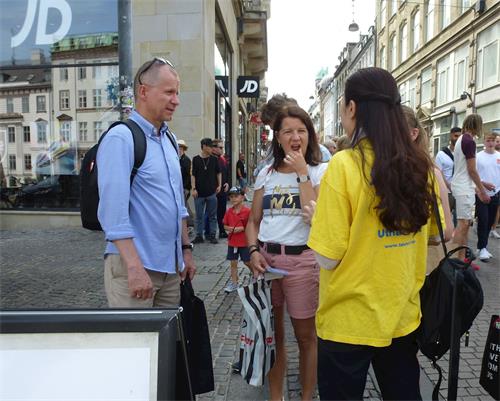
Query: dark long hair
(313,154)
(400,172)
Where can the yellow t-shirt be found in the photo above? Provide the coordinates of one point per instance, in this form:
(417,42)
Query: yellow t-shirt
(372,296)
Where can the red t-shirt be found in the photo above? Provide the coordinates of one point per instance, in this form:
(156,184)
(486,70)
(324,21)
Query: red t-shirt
(233,219)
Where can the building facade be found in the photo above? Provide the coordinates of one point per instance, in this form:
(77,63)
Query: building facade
(445,56)
(218,47)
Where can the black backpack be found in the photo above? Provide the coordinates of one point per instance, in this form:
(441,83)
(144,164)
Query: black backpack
(89,190)
(447,315)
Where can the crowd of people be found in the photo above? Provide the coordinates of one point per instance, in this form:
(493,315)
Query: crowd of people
(350,224)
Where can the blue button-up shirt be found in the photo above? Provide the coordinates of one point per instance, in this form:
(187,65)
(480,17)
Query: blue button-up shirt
(151,210)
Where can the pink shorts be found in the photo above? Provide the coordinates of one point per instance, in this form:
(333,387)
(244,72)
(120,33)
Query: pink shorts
(298,290)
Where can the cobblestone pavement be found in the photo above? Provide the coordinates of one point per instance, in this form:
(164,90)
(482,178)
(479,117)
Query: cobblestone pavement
(62,268)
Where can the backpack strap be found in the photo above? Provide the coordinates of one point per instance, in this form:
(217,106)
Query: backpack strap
(438,220)
(447,150)
(139,146)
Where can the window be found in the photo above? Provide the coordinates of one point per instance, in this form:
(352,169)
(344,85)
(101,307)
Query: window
(412,92)
(403,42)
(445,14)
(393,49)
(488,73)
(426,85)
(64,99)
(25,104)
(41,106)
(26,133)
(65,131)
(383,13)
(12,162)
(82,98)
(82,131)
(443,80)
(97,130)
(27,162)
(82,72)
(10,105)
(464,5)
(461,60)
(97,70)
(97,97)
(11,131)
(429,19)
(42,132)
(416,30)
(383,58)
(394,7)
(63,74)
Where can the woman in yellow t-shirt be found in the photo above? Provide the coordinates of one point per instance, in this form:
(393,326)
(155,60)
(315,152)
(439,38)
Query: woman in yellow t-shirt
(370,233)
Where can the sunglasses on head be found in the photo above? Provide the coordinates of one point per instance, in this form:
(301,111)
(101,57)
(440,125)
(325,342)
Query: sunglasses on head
(151,63)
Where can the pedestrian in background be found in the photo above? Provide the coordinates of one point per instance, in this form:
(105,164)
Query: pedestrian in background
(144,222)
(185,162)
(331,146)
(465,183)
(277,236)
(418,135)
(206,183)
(445,162)
(488,168)
(241,172)
(370,233)
(235,222)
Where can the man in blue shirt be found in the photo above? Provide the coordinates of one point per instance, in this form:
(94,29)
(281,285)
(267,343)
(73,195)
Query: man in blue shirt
(148,249)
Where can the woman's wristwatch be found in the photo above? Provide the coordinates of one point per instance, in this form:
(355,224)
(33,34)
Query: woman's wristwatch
(187,246)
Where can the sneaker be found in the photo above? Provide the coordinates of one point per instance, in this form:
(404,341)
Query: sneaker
(213,240)
(198,240)
(231,287)
(236,367)
(484,255)
(494,234)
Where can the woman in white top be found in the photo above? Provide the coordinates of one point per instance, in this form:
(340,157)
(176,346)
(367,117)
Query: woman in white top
(277,237)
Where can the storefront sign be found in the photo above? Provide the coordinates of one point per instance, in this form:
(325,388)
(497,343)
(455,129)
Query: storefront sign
(248,86)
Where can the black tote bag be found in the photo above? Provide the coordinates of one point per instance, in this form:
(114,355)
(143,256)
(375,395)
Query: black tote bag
(197,338)
(490,375)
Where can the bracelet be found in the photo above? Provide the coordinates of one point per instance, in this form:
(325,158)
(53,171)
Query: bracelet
(251,247)
(253,250)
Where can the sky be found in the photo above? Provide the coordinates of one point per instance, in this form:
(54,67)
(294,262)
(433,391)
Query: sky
(305,36)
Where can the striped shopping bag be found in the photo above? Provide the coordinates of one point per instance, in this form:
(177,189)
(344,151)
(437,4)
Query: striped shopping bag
(257,346)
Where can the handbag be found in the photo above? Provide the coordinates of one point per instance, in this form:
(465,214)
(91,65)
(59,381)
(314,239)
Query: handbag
(197,337)
(490,375)
(257,341)
(450,300)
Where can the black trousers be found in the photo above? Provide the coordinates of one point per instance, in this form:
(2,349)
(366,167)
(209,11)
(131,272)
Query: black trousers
(221,211)
(343,368)
(486,213)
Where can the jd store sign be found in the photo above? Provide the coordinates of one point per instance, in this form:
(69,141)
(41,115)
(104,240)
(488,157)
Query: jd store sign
(248,86)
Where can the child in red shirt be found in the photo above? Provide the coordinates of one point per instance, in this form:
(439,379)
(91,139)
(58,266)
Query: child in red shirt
(235,221)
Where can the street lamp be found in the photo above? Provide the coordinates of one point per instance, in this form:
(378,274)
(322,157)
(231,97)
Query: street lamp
(353,27)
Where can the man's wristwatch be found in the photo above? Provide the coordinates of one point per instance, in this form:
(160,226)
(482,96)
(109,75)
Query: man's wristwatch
(187,246)
(303,178)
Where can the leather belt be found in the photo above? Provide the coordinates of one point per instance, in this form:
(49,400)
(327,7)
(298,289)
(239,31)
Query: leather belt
(287,249)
